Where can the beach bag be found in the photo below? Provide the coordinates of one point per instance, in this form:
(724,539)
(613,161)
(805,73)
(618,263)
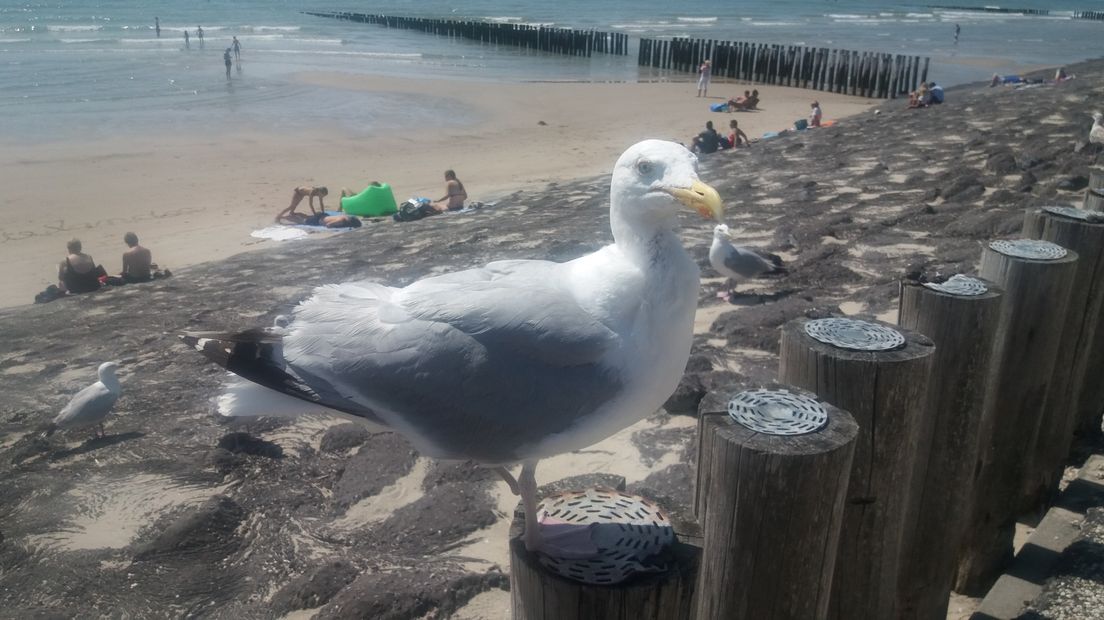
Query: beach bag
(719,107)
(412,210)
(801,124)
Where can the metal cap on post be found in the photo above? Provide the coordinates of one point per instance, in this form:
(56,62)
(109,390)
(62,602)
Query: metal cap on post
(879,374)
(960,315)
(774,462)
(1036,277)
(639,571)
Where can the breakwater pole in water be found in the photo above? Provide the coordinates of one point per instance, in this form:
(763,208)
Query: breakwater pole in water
(862,74)
(1094,194)
(1037,278)
(1076,399)
(960,315)
(1092,15)
(879,373)
(564,41)
(773,470)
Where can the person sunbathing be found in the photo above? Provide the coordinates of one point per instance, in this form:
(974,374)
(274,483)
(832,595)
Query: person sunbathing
(340,220)
(137,261)
(297,196)
(455,194)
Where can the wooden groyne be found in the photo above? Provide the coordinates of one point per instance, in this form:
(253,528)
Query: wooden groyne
(566,41)
(1093,15)
(863,74)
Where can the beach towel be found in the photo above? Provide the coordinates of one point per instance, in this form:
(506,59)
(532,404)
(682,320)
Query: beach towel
(718,107)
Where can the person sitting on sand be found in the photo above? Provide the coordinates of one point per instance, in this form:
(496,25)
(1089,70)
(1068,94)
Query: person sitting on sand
(736,136)
(297,196)
(708,141)
(137,261)
(920,98)
(935,92)
(78,273)
(739,102)
(815,115)
(455,194)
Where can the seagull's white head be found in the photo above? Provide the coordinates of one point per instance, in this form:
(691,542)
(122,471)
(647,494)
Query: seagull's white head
(107,370)
(1098,117)
(654,178)
(720,231)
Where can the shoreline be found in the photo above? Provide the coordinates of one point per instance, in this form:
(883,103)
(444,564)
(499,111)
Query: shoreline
(193,198)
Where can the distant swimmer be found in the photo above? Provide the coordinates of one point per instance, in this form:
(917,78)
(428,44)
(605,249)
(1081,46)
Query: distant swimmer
(199,33)
(187,42)
(958,29)
(157,26)
(226,59)
(237,49)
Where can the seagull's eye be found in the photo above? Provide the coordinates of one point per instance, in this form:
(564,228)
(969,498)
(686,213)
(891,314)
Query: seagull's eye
(644,167)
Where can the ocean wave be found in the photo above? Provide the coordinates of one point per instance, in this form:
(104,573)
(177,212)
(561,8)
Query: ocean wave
(768,24)
(270,28)
(697,20)
(920,15)
(502,19)
(640,25)
(73,28)
(3,40)
(89,40)
(846,16)
(384,55)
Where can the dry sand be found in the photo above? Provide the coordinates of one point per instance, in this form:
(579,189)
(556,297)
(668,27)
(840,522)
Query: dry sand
(196,197)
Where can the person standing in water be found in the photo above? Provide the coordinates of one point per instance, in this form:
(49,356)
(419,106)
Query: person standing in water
(187,41)
(157,26)
(237,49)
(958,29)
(199,33)
(226,59)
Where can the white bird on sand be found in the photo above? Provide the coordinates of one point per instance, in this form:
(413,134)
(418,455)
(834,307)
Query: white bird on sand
(1096,134)
(512,362)
(91,406)
(740,263)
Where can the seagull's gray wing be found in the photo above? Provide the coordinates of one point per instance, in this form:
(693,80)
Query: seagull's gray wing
(475,365)
(745,262)
(90,406)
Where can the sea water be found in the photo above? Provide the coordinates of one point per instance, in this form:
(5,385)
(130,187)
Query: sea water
(92,68)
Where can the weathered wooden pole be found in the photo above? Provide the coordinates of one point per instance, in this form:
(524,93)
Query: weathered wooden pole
(960,315)
(1096,178)
(881,379)
(593,589)
(1028,336)
(1094,200)
(1076,399)
(776,463)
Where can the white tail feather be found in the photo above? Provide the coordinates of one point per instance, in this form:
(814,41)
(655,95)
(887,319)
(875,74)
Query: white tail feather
(245,399)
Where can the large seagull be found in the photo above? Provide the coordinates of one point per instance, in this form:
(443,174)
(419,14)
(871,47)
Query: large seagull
(508,363)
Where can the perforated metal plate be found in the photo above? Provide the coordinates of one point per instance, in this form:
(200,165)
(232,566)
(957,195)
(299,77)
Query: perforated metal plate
(959,284)
(1077,214)
(855,334)
(777,412)
(1035,249)
(627,529)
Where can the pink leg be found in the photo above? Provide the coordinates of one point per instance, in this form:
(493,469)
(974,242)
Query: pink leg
(508,479)
(527,485)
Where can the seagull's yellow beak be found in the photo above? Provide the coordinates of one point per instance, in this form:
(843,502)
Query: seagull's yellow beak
(701,198)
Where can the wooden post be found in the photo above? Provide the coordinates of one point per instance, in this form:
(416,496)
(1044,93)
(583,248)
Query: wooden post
(1028,337)
(1076,397)
(771,524)
(1094,200)
(963,328)
(1096,179)
(539,594)
(884,391)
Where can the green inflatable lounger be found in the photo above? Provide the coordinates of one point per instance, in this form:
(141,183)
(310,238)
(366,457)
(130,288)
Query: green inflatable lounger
(374,201)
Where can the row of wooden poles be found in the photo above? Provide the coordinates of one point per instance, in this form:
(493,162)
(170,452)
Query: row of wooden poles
(914,485)
(864,74)
(1094,15)
(565,41)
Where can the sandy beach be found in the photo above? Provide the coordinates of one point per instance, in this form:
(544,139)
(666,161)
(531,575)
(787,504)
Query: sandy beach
(195,197)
